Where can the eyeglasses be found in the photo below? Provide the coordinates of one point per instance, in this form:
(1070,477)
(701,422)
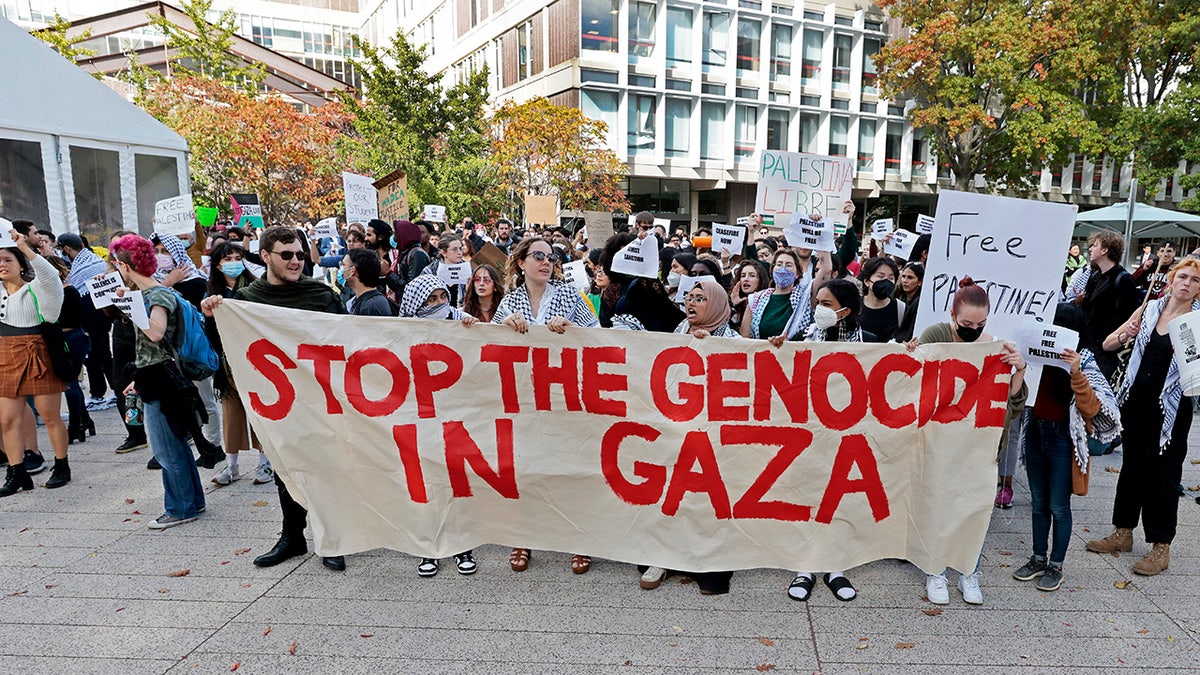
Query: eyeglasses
(542,256)
(485,280)
(697,298)
(286,255)
(644,227)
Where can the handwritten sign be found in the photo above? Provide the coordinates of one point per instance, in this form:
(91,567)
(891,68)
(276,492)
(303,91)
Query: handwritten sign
(1011,247)
(900,244)
(792,183)
(247,212)
(599,225)
(541,209)
(104,288)
(1043,344)
(133,306)
(925,224)
(459,273)
(639,258)
(805,233)
(392,196)
(687,283)
(882,227)
(327,229)
(729,238)
(362,199)
(576,274)
(435,213)
(175,215)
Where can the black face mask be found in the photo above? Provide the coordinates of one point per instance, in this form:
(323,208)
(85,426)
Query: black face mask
(968,334)
(883,289)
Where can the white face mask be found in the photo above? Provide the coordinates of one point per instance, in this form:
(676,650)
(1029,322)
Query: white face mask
(824,317)
(673,278)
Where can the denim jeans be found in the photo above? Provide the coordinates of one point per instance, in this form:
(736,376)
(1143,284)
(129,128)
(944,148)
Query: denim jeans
(183,493)
(1048,456)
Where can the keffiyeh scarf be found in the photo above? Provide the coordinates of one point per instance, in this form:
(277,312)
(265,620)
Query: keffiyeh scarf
(1172,392)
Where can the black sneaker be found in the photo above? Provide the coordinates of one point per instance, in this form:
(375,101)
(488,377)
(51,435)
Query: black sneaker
(1030,570)
(34,463)
(153,464)
(1051,579)
(428,567)
(465,563)
(130,444)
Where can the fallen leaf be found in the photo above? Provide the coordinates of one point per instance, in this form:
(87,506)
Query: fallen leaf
(1121,584)
(1143,631)
(672,644)
(627,663)
(1112,469)
(224,562)
(163,590)
(137,513)
(267,631)
(23,529)
(1086,530)
(766,641)
(236,666)
(931,612)
(863,639)
(51,585)
(1196,461)
(245,585)
(1194,488)
(1170,638)
(179,573)
(1005,552)
(241,551)
(18,593)
(127,520)
(120,609)
(128,501)
(259,504)
(292,649)
(366,635)
(764,667)
(862,645)
(905,645)
(1024,656)
(677,629)
(1066,624)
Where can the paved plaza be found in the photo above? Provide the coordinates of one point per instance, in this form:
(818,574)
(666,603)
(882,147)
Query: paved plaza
(86,587)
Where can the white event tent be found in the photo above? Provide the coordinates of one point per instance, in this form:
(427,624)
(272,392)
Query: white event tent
(75,155)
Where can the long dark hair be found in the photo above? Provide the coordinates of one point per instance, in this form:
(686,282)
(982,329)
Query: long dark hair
(471,301)
(847,295)
(216,278)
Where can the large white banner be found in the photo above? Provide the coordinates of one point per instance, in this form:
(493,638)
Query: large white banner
(1013,248)
(798,183)
(715,454)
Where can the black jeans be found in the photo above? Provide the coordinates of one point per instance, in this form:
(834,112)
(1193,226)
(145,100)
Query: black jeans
(1148,485)
(295,517)
(99,362)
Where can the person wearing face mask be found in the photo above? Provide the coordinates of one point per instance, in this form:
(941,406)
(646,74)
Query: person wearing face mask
(359,272)
(783,312)
(680,267)
(968,318)
(882,314)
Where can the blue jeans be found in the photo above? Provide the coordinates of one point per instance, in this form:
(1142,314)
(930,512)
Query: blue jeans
(1048,456)
(183,493)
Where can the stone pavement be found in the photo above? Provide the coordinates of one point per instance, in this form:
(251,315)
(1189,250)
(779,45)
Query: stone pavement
(85,587)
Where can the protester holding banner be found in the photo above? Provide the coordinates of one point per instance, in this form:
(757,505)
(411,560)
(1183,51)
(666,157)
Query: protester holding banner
(882,314)
(227,274)
(707,308)
(1156,417)
(749,277)
(783,311)
(171,401)
(968,316)
(484,293)
(285,286)
(1070,405)
(359,273)
(908,291)
(536,293)
(634,303)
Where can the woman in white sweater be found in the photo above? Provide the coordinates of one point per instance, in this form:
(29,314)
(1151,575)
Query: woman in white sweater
(30,293)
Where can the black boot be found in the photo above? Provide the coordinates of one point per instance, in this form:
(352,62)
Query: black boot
(15,479)
(287,547)
(60,475)
(75,428)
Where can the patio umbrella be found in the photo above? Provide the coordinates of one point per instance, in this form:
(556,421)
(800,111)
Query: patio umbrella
(1146,221)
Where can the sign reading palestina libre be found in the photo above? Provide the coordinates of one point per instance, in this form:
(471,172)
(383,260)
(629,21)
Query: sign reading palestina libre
(1012,248)
(792,183)
(652,448)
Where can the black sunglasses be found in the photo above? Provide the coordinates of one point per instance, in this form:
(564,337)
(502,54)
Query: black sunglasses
(542,256)
(286,255)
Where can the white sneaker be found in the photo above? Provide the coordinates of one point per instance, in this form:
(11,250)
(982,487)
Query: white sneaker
(226,475)
(652,577)
(936,589)
(264,474)
(969,585)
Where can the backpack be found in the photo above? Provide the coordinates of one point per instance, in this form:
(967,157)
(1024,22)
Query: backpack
(193,353)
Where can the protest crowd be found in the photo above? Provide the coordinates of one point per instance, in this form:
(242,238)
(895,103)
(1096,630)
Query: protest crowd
(151,350)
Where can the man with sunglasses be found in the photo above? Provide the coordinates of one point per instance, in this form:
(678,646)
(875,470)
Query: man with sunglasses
(285,285)
(643,224)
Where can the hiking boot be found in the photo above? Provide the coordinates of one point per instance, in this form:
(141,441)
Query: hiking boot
(1155,561)
(60,475)
(1121,539)
(1030,570)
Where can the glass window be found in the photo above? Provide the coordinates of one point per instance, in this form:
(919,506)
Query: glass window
(524,56)
(810,65)
(598,30)
(679,117)
(781,51)
(641,29)
(745,132)
(97,180)
(870,78)
(602,105)
(891,148)
(641,124)
(716,38)
(777,129)
(810,126)
(679,36)
(749,45)
(866,145)
(712,130)
(842,46)
(157,178)
(23,182)
(920,154)
(839,135)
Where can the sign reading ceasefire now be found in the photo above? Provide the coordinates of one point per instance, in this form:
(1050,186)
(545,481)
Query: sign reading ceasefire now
(642,447)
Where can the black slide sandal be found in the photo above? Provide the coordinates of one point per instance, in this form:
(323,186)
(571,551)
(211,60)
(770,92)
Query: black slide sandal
(804,582)
(838,584)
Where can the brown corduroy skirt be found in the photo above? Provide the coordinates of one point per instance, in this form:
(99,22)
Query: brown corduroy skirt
(25,368)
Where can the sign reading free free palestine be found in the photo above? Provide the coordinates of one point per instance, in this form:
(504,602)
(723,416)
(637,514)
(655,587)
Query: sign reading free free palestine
(797,182)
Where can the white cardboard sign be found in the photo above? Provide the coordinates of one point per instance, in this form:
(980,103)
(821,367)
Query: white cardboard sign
(805,233)
(576,274)
(175,215)
(362,199)
(104,288)
(327,229)
(900,244)
(925,224)
(435,213)
(688,283)
(6,228)
(730,238)
(744,221)
(1044,344)
(792,183)
(133,306)
(638,259)
(882,227)
(1012,248)
(459,273)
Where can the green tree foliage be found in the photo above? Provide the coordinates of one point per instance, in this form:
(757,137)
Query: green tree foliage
(57,35)
(206,48)
(999,86)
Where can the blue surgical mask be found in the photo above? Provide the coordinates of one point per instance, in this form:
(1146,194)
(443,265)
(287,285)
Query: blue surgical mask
(233,268)
(392,241)
(341,278)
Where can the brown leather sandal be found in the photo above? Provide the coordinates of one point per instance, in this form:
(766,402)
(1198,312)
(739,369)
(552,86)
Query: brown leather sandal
(519,559)
(580,564)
